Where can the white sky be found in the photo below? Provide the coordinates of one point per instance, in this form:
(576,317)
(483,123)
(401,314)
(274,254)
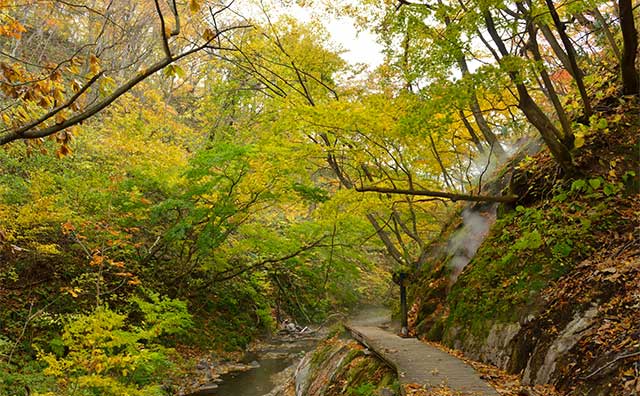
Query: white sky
(359,47)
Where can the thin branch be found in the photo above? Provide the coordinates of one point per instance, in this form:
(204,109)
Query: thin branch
(58,109)
(163,28)
(100,105)
(263,263)
(176,15)
(628,355)
(440,194)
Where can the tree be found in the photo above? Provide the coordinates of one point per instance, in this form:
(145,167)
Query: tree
(95,65)
(571,55)
(630,80)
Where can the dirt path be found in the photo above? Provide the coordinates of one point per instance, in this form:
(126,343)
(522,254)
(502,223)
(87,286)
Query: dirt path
(416,362)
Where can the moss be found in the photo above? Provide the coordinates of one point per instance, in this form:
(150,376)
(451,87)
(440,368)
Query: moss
(357,375)
(436,330)
(322,353)
(526,250)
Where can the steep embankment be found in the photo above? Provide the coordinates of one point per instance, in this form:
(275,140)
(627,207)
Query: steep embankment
(552,292)
(340,367)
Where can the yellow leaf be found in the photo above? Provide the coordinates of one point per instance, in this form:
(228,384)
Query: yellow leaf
(579,142)
(57,95)
(96,260)
(117,264)
(194,5)
(94,64)
(208,34)
(60,118)
(75,86)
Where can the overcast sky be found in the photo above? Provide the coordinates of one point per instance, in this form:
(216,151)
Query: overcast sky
(359,47)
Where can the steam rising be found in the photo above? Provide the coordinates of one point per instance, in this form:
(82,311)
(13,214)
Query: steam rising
(465,242)
(477,219)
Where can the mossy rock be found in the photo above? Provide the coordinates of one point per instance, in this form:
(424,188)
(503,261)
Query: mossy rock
(436,331)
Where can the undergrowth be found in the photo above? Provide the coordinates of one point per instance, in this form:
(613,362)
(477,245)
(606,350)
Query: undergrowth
(526,250)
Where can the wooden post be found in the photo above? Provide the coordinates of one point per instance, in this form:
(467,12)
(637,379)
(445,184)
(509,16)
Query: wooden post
(399,278)
(403,305)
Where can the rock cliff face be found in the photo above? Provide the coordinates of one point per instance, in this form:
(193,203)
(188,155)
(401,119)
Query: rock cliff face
(340,367)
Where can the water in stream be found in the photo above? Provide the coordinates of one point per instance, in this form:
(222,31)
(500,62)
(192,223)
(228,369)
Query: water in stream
(255,382)
(272,359)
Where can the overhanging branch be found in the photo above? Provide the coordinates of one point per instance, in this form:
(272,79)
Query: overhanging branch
(227,275)
(439,194)
(33,132)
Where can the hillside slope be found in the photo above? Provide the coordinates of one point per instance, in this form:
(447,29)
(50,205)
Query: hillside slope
(552,292)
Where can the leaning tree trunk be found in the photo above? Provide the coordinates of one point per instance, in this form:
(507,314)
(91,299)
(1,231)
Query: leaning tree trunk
(557,50)
(481,122)
(531,110)
(571,53)
(567,136)
(630,83)
(472,133)
(607,32)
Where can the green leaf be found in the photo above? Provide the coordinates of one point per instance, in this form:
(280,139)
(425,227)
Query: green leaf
(602,123)
(560,197)
(579,185)
(595,183)
(562,249)
(529,241)
(174,71)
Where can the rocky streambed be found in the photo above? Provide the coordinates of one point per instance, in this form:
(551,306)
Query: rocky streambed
(262,368)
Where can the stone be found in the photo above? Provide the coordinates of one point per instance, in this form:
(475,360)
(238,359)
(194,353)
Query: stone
(202,365)
(495,349)
(385,392)
(566,339)
(207,387)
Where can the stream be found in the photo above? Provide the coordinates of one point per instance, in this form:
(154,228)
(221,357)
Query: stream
(266,361)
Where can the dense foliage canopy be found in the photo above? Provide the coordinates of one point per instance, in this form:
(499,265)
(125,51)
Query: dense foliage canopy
(168,164)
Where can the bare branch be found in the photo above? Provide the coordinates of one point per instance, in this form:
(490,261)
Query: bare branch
(439,194)
(101,104)
(263,263)
(163,28)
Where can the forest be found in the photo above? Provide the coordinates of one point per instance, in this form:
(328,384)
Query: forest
(180,176)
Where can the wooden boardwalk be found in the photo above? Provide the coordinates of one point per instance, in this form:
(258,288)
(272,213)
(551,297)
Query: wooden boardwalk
(419,363)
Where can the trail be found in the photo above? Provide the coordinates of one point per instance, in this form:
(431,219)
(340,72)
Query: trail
(415,361)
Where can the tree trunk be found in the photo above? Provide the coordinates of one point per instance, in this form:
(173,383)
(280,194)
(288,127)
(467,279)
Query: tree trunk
(530,109)
(567,136)
(488,134)
(630,83)
(557,50)
(546,128)
(571,53)
(472,133)
(439,194)
(605,27)
(447,179)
